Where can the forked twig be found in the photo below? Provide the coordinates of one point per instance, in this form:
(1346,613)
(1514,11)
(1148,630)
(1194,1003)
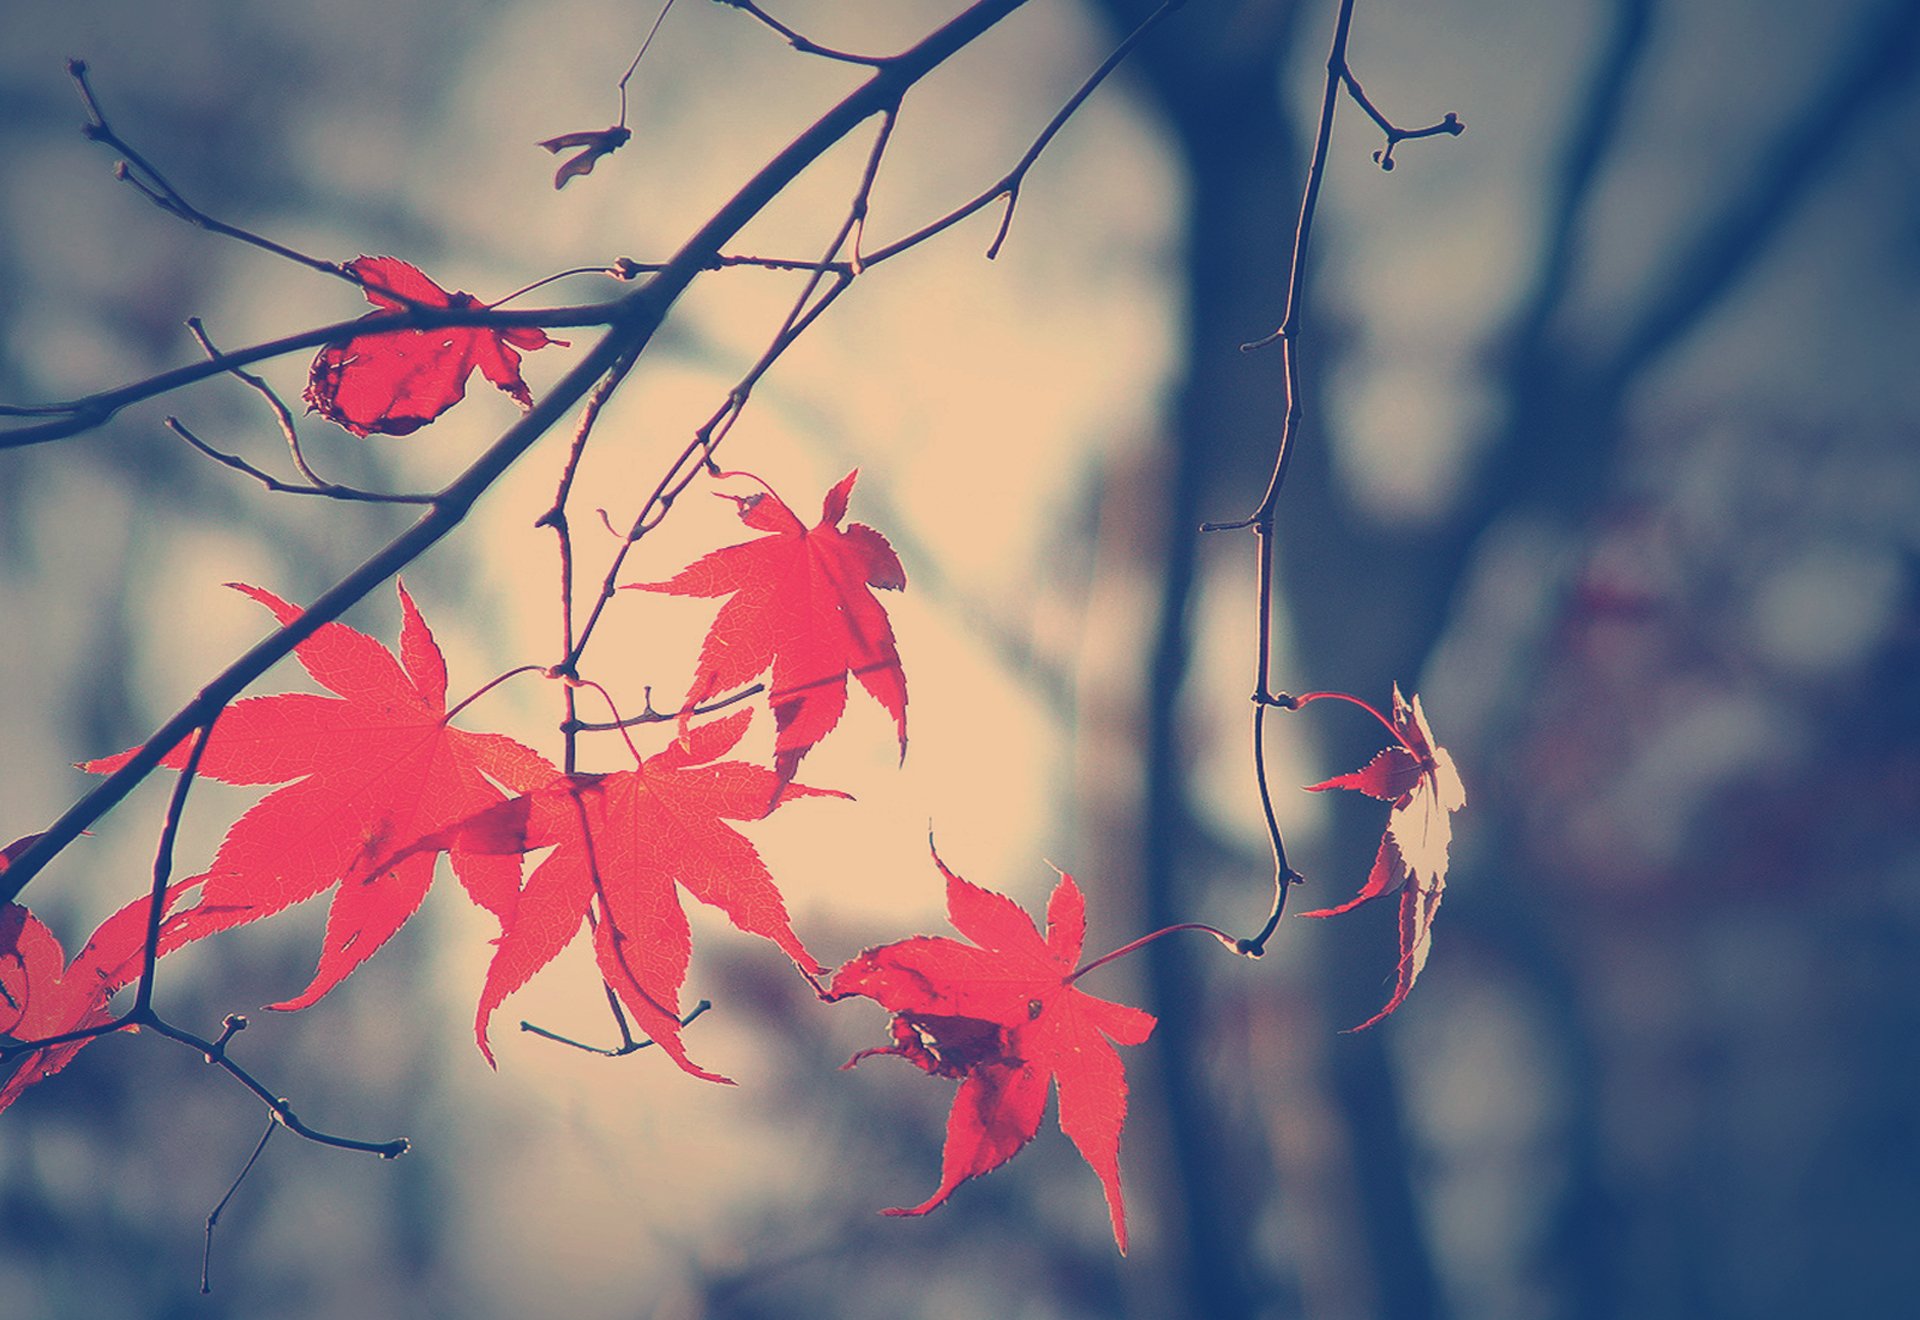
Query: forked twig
(146,178)
(627,1045)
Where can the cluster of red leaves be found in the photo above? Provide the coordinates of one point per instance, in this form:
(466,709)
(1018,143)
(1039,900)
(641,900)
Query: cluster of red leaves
(396,381)
(1417,776)
(374,783)
(1003,1015)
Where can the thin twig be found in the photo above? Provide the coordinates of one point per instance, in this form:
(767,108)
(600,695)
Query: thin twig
(283,417)
(556,518)
(1449,125)
(619,725)
(137,170)
(802,44)
(627,77)
(281,1108)
(13,1050)
(652,716)
(628,1044)
(213,1218)
(215,1053)
(626,268)
(163,868)
(1262,520)
(329,491)
(281,414)
(1008,185)
(862,197)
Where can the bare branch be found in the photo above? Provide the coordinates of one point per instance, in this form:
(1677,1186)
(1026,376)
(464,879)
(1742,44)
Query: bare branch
(556,518)
(75,416)
(281,1108)
(800,43)
(328,491)
(153,185)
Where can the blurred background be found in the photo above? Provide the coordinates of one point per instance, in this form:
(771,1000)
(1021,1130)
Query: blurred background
(1609,452)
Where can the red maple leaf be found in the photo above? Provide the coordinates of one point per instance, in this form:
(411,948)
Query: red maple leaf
(374,769)
(396,381)
(1003,1015)
(1418,778)
(43,995)
(622,843)
(800,605)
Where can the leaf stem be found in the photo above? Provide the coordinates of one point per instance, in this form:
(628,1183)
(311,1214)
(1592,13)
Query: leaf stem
(487,687)
(1306,698)
(1229,941)
(544,280)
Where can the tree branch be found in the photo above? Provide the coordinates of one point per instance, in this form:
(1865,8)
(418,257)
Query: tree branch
(75,416)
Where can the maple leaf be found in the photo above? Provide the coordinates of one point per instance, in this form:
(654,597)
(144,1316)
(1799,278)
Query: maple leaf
(1418,777)
(800,606)
(373,769)
(43,995)
(624,843)
(396,381)
(596,143)
(1003,1015)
